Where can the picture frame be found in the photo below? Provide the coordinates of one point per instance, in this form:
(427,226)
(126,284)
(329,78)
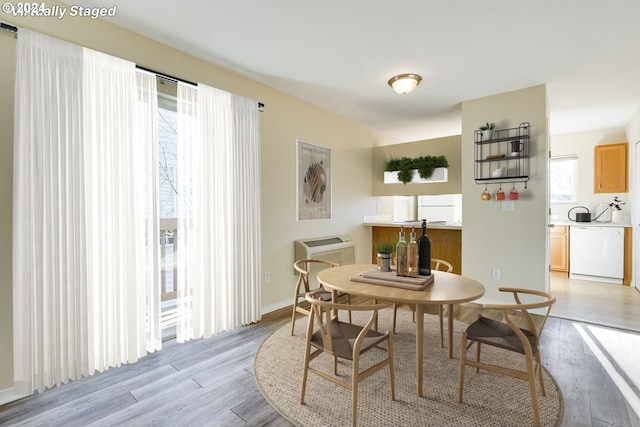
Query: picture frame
(313,181)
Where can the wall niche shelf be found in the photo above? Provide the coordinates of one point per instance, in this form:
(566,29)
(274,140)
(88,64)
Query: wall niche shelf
(508,148)
(438,175)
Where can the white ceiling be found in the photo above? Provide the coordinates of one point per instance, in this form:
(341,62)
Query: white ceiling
(339,54)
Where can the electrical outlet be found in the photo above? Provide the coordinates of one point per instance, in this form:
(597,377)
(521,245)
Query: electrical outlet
(495,273)
(267,276)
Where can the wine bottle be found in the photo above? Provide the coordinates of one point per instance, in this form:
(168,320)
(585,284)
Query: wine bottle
(401,254)
(412,255)
(424,251)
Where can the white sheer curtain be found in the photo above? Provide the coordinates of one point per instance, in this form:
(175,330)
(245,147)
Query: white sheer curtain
(147,136)
(80,302)
(50,303)
(85,243)
(115,216)
(219,221)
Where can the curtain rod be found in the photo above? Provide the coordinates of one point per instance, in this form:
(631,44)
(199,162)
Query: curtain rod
(177,79)
(166,76)
(14,29)
(8,28)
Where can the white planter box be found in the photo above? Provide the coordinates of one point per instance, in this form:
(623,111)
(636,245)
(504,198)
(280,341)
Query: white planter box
(438,175)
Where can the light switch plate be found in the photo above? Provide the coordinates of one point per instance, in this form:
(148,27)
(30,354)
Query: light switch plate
(506,205)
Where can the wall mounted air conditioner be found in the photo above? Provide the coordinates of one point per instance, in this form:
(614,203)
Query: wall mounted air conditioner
(340,249)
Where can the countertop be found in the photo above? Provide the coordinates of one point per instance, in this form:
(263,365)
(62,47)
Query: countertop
(417,224)
(587,224)
(458,225)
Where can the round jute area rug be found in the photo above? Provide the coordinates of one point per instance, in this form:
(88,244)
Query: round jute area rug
(489,399)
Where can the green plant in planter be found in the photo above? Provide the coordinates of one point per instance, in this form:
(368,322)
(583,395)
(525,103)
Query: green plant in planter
(487,126)
(425,166)
(384,246)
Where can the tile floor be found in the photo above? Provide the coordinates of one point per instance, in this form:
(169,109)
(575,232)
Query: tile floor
(595,302)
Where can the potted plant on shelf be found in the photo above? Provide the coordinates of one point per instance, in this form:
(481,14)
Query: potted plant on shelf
(487,130)
(423,166)
(385,248)
(616,215)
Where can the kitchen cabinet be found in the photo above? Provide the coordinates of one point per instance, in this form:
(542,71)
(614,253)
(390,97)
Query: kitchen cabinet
(610,168)
(559,248)
(446,244)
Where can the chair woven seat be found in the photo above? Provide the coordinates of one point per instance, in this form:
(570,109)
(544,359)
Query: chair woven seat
(324,296)
(499,334)
(344,337)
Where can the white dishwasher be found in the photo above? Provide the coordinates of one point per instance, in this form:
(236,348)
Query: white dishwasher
(596,253)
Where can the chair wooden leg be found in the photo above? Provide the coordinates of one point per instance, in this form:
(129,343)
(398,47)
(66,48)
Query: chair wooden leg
(477,355)
(533,391)
(375,324)
(349,302)
(355,379)
(539,368)
(305,374)
(293,316)
(392,377)
(441,328)
(395,313)
(463,359)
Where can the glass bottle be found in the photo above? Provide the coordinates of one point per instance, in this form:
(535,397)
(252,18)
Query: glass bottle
(424,251)
(412,255)
(401,254)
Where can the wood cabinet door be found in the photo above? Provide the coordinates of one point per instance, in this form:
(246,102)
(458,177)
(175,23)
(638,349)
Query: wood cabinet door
(610,168)
(559,249)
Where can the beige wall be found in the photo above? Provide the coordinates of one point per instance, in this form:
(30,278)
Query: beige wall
(514,242)
(285,119)
(450,147)
(7,71)
(581,145)
(633,128)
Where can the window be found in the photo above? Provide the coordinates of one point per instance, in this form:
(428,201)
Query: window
(167,154)
(168,202)
(563,174)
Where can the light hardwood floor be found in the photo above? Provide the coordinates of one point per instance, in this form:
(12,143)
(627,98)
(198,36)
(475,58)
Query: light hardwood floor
(210,383)
(595,302)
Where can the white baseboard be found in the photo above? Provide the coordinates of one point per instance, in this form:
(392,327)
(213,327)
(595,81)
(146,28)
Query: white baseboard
(276,306)
(9,395)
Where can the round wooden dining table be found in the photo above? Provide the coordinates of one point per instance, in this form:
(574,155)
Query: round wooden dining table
(447,289)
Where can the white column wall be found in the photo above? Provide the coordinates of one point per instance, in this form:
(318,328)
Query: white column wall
(514,242)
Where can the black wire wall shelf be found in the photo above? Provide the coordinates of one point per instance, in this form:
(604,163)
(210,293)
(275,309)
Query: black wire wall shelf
(502,155)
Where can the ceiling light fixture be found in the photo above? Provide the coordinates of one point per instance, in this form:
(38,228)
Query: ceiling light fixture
(404,83)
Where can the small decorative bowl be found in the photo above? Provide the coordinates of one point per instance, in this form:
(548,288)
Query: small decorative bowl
(499,173)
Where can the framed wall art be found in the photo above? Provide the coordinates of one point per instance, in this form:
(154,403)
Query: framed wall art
(313,181)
